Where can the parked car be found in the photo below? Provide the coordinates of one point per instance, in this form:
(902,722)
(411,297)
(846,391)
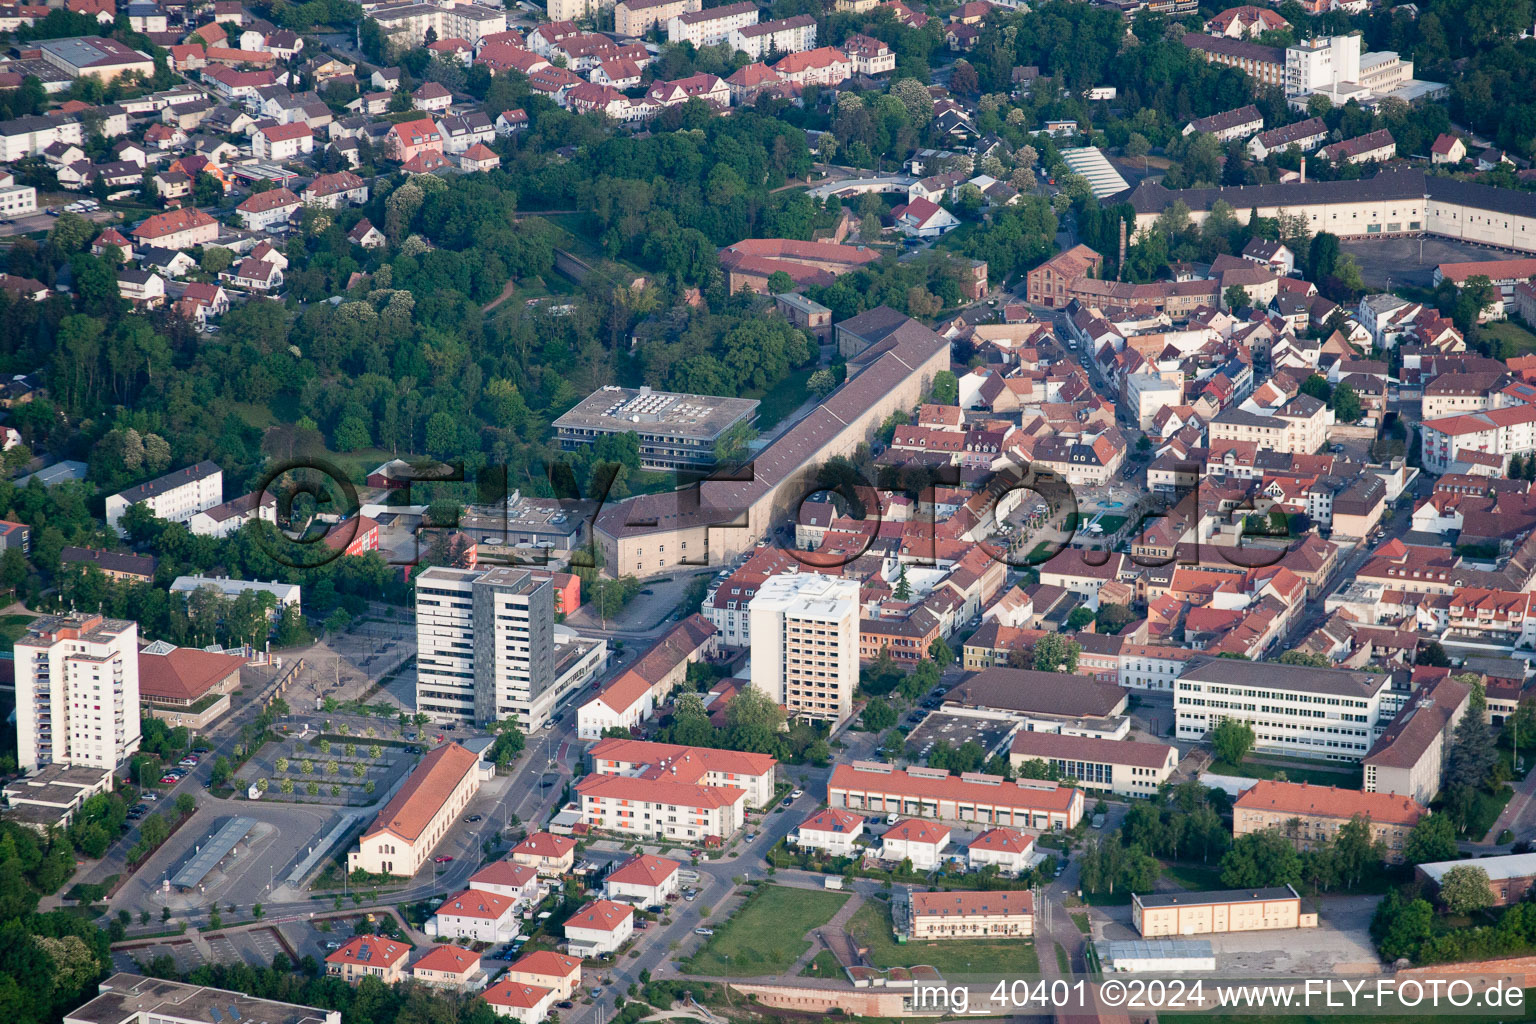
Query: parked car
(565,1004)
(444,859)
(797,794)
(474,817)
(149,795)
(703,931)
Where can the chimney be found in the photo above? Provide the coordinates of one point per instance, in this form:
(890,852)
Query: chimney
(1120,267)
(1303,170)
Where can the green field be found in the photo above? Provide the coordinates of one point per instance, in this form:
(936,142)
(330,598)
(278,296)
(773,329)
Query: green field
(767,935)
(1521,342)
(1293,772)
(1193,876)
(1486,808)
(13,628)
(781,399)
(824,965)
(871,928)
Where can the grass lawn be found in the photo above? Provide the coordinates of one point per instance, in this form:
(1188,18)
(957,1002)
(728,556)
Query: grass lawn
(1520,341)
(781,400)
(13,628)
(871,928)
(768,934)
(1062,960)
(824,966)
(1485,811)
(1080,521)
(1408,1016)
(1345,779)
(1193,876)
(1081,920)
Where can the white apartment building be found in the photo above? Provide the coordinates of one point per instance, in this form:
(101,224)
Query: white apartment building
(77,692)
(17,201)
(785,35)
(1300,427)
(831,830)
(921,842)
(644,880)
(702,766)
(1335,714)
(706,28)
(487,647)
(517,882)
(660,807)
(1318,64)
(1502,432)
(29,136)
(475,914)
(1011,850)
(600,927)
(1121,767)
(175,497)
(408,25)
(805,643)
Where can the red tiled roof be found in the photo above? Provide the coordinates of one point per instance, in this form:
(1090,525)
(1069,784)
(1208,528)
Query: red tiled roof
(1329,802)
(477,903)
(546,845)
(185,673)
(448,959)
(600,916)
(515,994)
(665,791)
(972,904)
(915,830)
(425,792)
(547,964)
(370,950)
(644,870)
(503,872)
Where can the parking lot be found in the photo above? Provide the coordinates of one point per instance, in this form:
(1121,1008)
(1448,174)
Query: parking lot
(1340,944)
(1398,260)
(255,947)
(990,734)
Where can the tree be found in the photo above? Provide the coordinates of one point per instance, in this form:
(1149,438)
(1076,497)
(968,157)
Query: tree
(1112,618)
(1432,838)
(1322,256)
(941,653)
(1232,740)
(1079,618)
(1259,860)
(878,715)
(1317,386)
(1346,404)
(1055,653)
(753,721)
(1235,297)
(1464,889)
(821,383)
(221,772)
(1400,926)
(1137,147)
(902,590)
(1354,850)
(946,388)
(1433,655)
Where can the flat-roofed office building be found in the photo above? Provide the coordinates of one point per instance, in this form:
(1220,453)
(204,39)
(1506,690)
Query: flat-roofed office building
(1213,913)
(676,431)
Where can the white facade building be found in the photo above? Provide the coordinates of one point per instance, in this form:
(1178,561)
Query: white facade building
(77,692)
(175,497)
(831,830)
(475,914)
(645,880)
(805,643)
(1335,714)
(921,842)
(600,927)
(488,647)
(706,28)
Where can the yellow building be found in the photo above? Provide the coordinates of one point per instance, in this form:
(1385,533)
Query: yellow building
(408,829)
(1213,913)
(1306,814)
(969,915)
(369,956)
